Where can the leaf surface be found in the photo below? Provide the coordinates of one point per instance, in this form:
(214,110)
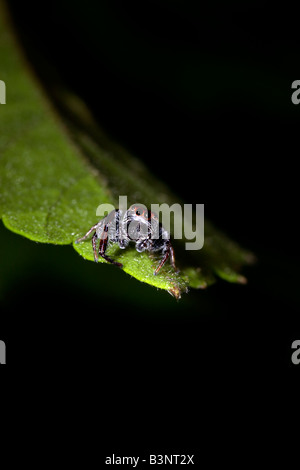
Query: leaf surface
(56,169)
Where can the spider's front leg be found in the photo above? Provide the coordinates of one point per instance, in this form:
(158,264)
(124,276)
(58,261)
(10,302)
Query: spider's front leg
(94,240)
(103,246)
(94,243)
(94,227)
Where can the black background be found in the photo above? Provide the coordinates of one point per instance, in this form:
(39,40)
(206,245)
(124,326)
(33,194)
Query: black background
(203,96)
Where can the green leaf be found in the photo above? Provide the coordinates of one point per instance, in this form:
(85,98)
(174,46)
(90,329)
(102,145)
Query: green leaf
(56,170)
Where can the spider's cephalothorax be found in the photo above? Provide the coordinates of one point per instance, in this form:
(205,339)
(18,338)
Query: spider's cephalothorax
(138,225)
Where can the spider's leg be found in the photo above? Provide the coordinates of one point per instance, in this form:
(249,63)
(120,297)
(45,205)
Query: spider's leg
(172,257)
(103,246)
(166,256)
(87,234)
(169,253)
(94,239)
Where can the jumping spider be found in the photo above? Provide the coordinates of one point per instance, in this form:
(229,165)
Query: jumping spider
(136,225)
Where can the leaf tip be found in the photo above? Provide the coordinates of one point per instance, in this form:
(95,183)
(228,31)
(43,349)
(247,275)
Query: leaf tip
(175,293)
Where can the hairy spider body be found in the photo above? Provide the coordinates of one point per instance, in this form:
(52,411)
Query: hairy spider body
(138,225)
